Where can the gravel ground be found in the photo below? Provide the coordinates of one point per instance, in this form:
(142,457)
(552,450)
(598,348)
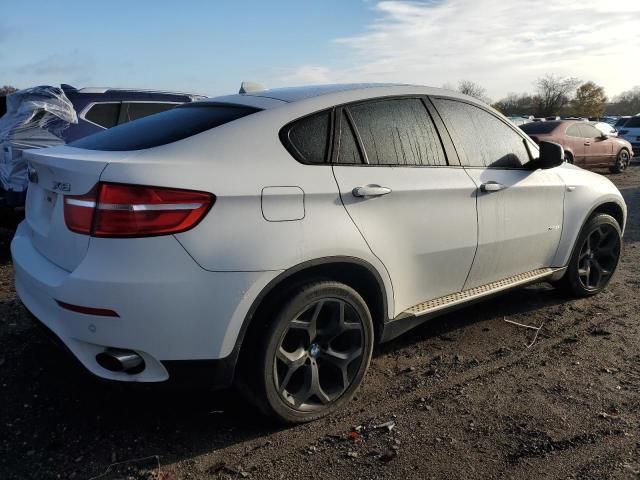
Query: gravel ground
(460,397)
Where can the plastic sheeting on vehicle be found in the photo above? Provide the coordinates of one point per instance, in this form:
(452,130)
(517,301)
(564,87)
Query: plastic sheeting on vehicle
(35,118)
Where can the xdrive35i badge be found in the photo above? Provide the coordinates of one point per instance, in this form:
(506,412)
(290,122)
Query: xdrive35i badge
(62,186)
(32,174)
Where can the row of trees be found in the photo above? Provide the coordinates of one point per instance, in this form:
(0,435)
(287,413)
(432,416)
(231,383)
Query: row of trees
(565,96)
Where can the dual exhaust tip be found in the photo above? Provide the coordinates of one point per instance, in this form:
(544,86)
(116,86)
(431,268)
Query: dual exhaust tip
(116,360)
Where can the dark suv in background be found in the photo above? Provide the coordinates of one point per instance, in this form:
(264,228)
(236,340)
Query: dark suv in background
(102,108)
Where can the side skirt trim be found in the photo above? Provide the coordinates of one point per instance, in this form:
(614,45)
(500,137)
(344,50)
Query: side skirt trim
(421,312)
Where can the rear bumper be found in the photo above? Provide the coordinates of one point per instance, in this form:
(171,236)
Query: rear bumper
(171,312)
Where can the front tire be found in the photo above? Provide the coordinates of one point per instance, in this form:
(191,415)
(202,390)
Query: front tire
(568,157)
(595,257)
(622,161)
(314,354)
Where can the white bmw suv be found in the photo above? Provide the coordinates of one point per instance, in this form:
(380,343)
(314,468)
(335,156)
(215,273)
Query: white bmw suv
(269,239)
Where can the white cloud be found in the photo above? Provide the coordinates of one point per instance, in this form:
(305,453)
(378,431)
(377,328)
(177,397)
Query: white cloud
(502,44)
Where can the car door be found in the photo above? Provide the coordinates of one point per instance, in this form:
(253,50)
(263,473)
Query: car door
(598,149)
(416,212)
(520,211)
(576,142)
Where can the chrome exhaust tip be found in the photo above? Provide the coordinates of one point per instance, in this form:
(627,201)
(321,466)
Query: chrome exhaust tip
(116,360)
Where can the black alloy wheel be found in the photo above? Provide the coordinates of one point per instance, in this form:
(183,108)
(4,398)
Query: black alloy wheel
(315,353)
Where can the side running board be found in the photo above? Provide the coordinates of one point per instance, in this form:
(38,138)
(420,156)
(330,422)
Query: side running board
(425,310)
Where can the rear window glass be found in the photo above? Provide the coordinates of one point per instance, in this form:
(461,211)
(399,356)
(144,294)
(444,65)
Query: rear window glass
(134,111)
(104,114)
(163,128)
(632,123)
(539,127)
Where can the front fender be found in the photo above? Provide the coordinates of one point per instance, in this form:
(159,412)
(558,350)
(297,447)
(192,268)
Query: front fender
(586,192)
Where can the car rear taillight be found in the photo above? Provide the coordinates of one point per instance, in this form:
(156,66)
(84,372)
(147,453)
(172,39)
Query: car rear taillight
(119,210)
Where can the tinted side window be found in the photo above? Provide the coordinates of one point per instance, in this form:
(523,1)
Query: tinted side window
(574,131)
(133,111)
(398,132)
(348,151)
(309,137)
(165,127)
(481,139)
(104,114)
(589,131)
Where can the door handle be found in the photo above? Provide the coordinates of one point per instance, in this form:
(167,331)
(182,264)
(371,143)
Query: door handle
(587,144)
(370,191)
(491,187)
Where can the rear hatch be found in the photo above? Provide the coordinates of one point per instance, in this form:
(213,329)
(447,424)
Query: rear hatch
(54,173)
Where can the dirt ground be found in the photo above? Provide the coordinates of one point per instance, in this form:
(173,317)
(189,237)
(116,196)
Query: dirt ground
(466,398)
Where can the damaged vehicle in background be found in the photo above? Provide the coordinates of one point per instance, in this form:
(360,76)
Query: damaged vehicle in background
(46,116)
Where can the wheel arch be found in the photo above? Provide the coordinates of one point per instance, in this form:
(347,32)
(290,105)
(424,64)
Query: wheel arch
(610,208)
(354,272)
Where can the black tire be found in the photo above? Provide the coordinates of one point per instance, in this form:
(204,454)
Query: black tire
(318,348)
(568,157)
(598,247)
(622,161)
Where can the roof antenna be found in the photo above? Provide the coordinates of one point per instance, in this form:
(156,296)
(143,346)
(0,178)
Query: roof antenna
(250,87)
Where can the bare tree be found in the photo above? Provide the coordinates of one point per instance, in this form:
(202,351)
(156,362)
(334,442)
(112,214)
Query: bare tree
(554,94)
(473,90)
(517,104)
(627,103)
(6,90)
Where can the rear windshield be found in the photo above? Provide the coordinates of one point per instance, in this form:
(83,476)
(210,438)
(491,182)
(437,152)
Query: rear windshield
(163,128)
(633,122)
(620,122)
(539,127)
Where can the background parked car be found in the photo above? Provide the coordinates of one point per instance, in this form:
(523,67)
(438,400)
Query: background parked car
(102,108)
(584,144)
(631,133)
(619,123)
(47,116)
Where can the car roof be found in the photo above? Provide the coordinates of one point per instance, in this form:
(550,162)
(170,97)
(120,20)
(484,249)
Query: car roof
(332,94)
(102,90)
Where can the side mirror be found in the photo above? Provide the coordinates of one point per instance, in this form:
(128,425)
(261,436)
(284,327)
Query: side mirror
(551,155)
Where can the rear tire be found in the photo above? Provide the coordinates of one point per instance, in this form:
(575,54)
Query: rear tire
(622,161)
(595,257)
(313,355)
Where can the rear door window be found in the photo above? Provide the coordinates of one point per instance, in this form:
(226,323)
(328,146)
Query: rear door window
(398,132)
(307,139)
(480,138)
(134,110)
(348,150)
(104,114)
(166,127)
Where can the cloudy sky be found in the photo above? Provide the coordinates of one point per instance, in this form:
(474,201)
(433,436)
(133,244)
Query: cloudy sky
(209,47)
